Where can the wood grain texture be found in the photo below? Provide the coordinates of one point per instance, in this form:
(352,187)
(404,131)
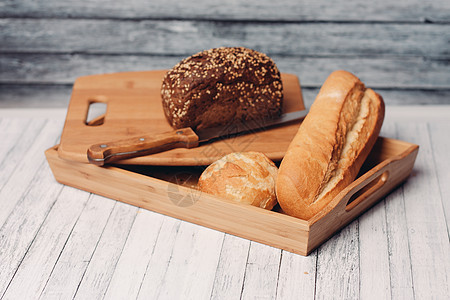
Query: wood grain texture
(130,269)
(373,254)
(37,265)
(134,111)
(375,72)
(156,268)
(425,215)
(71,266)
(188,37)
(229,277)
(116,150)
(398,247)
(297,276)
(398,254)
(388,44)
(188,264)
(441,160)
(58,96)
(261,273)
(347,209)
(416,97)
(196,278)
(39,135)
(373,244)
(10,154)
(392,157)
(284,10)
(53,247)
(338,266)
(24,222)
(34,96)
(103,262)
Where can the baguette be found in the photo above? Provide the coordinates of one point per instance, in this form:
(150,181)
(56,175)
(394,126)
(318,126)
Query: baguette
(330,146)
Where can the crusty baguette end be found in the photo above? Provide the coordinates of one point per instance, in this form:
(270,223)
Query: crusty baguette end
(330,146)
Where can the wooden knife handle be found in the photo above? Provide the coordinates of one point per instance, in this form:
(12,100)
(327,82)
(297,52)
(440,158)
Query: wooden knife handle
(102,153)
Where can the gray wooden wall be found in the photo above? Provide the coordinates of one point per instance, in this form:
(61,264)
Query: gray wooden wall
(401,48)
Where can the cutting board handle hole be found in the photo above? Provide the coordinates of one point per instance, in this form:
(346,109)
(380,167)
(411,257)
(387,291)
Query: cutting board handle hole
(96,112)
(366,191)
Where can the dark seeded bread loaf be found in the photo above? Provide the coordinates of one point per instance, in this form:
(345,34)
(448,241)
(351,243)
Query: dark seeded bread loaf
(220,86)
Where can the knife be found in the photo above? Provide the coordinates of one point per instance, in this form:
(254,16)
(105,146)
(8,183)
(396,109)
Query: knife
(102,153)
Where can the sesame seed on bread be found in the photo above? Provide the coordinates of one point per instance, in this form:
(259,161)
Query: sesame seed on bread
(221,85)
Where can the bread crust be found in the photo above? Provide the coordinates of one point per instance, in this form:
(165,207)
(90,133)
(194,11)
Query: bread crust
(330,146)
(244,177)
(221,85)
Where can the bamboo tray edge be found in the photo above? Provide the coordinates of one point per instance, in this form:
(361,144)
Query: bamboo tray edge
(268,227)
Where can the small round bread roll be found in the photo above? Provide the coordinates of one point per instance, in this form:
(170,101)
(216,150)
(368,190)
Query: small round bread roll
(245,177)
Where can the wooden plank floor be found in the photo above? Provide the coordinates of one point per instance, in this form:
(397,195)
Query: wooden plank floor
(57,242)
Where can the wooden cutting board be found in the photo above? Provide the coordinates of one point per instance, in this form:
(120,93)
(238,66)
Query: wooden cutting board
(134,108)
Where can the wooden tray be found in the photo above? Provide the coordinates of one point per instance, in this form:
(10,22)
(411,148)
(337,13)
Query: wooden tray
(134,108)
(171,191)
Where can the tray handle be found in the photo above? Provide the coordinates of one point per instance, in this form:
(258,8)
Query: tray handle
(93,116)
(365,191)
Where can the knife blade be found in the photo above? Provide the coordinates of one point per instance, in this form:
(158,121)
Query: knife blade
(109,152)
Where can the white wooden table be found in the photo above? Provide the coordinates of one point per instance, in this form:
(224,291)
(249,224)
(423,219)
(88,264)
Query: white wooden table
(60,242)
